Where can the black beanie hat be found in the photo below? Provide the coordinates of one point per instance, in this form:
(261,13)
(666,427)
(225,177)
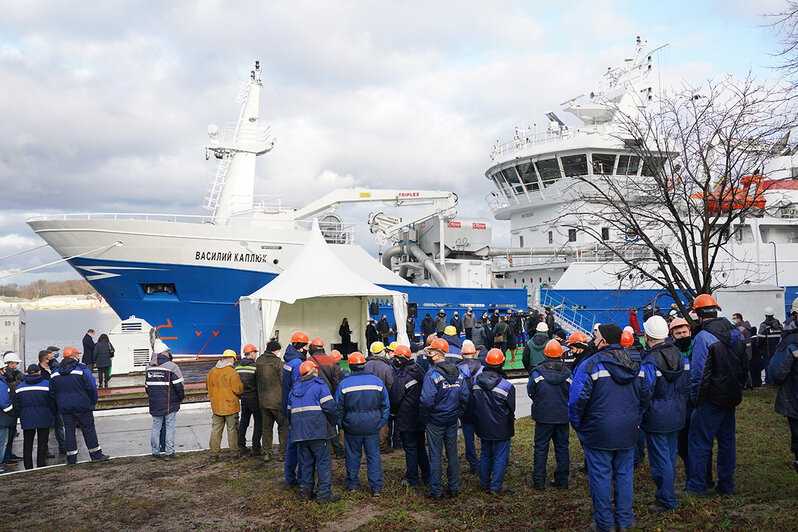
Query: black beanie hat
(610,332)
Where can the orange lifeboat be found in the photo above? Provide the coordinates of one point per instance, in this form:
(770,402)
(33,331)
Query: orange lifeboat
(745,196)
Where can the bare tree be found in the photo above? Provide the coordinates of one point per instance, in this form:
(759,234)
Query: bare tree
(702,153)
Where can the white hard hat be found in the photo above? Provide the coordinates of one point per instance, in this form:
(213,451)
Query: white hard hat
(629,329)
(542,327)
(596,326)
(11,357)
(656,328)
(794,307)
(769,311)
(159,347)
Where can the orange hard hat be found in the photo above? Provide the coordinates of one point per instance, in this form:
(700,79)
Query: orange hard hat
(335,355)
(69,351)
(431,337)
(307,366)
(678,322)
(402,351)
(249,348)
(356,358)
(440,343)
(704,301)
(468,348)
(577,338)
(495,357)
(553,349)
(627,339)
(318,342)
(299,337)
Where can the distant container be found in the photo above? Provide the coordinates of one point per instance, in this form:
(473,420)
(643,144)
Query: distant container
(132,340)
(750,300)
(12,331)
(465,235)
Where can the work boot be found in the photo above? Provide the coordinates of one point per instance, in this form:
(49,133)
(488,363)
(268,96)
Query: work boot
(658,507)
(560,485)
(690,493)
(170,457)
(305,495)
(267,457)
(335,497)
(431,495)
(214,458)
(256,451)
(101,458)
(451,494)
(155,457)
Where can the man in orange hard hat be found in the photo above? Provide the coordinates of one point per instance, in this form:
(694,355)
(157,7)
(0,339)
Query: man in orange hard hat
(73,389)
(295,354)
(250,409)
(718,372)
(548,387)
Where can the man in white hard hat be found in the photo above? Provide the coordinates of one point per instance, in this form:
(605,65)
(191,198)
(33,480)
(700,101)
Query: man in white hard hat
(767,338)
(7,418)
(667,372)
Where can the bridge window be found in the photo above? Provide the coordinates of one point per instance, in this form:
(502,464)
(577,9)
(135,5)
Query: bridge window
(549,171)
(551,237)
(529,176)
(603,163)
(574,165)
(628,164)
(521,241)
(512,178)
(605,233)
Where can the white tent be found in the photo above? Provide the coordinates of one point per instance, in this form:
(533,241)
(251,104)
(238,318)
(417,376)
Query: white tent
(314,294)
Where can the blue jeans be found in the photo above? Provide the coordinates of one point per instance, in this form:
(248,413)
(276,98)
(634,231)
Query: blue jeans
(470,446)
(86,420)
(356,444)
(59,432)
(293,461)
(640,449)
(438,439)
(494,456)
(708,423)
(611,470)
(12,431)
(315,459)
(3,443)
(158,422)
(662,459)
(544,433)
(415,457)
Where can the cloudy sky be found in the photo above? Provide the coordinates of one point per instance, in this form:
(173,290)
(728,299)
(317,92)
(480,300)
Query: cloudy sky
(104,105)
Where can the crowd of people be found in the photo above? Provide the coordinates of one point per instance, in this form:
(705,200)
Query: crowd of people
(671,390)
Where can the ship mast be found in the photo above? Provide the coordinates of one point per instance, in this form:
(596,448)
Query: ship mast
(237,147)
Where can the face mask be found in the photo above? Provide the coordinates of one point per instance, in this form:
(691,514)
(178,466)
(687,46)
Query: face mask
(683,344)
(430,359)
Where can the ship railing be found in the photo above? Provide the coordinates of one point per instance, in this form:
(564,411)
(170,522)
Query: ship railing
(246,133)
(247,203)
(524,138)
(571,315)
(333,232)
(189,218)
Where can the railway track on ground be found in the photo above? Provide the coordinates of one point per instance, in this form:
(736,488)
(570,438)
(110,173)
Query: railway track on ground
(133,396)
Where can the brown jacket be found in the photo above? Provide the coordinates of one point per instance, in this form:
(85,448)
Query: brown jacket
(269,374)
(224,388)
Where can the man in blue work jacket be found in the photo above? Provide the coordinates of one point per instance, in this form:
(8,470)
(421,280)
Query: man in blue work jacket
(363,408)
(444,397)
(718,372)
(605,402)
(667,374)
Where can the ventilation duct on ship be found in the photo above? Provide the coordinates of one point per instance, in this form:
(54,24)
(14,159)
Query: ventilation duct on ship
(429,264)
(390,253)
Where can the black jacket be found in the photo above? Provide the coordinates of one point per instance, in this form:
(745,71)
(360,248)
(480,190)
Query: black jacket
(405,394)
(103,353)
(88,349)
(719,366)
(246,371)
(427,328)
(548,387)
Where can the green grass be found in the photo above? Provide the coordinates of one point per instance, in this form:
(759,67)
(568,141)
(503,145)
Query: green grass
(133,493)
